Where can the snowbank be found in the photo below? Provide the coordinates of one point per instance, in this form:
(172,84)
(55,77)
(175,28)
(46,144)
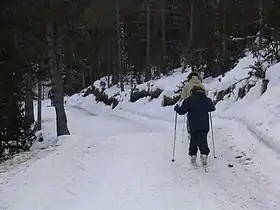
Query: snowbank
(260,113)
(239,72)
(48,128)
(87,103)
(143,106)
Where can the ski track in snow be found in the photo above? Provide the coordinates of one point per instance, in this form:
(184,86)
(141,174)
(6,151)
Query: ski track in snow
(123,161)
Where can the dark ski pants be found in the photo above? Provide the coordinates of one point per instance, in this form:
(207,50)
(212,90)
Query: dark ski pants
(199,140)
(188,125)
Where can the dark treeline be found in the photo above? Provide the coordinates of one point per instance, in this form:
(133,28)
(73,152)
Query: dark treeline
(73,43)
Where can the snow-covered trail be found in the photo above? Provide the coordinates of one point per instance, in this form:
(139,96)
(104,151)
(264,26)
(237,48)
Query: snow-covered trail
(119,161)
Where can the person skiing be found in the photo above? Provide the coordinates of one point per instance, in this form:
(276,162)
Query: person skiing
(51,97)
(193,79)
(197,105)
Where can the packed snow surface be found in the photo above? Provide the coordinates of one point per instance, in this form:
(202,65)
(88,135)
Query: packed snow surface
(121,159)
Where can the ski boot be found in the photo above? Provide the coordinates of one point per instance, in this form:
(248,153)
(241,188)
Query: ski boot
(193,161)
(204,162)
(189,136)
(204,159)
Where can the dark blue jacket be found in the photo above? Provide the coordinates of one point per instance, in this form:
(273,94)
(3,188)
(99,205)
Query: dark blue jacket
(197,106)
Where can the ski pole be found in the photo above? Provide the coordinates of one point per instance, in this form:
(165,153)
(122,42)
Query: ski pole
(188,129)
(213,141)
(183,134)
(175,129)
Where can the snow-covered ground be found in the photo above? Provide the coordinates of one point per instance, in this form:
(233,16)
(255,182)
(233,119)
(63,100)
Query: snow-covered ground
(260,113)
(118,160)
(121,158)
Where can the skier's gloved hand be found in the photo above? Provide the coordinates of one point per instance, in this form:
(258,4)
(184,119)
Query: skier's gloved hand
(176,107)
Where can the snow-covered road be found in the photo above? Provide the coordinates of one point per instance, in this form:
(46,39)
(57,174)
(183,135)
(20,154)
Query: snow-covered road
(120,161)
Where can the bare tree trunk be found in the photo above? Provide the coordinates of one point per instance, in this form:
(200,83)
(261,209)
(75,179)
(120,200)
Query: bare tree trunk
(29,106)
(43,91)
(70,78)
(39,108)
(83,80)
(119,47)
(115,74)
(55,66)
(163,30)
(148,72)
(224,39)
(261,32)
(62,128)
(191,33)
(131,79)
(90,76)
(189,47)
(109,63)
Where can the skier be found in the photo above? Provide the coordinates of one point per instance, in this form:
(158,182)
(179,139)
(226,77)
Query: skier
(51,97)
(192,80)
(197,106)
